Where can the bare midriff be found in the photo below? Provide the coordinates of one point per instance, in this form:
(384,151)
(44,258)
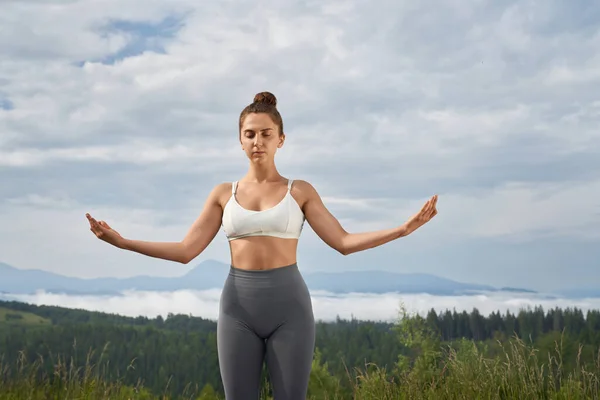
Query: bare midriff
(262,252)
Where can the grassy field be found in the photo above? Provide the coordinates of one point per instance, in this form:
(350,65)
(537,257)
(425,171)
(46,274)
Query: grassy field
(462,370)
(8,316)
(463,373)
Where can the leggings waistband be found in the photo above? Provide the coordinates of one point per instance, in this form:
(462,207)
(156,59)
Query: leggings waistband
(268,277)
(271,272)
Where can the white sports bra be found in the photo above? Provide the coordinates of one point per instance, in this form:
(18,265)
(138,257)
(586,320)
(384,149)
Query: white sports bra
(284,220)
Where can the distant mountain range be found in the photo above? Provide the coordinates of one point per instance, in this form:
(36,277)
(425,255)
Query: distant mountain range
(212,274)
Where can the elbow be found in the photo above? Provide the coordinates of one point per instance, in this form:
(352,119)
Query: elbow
(183,259)
(186,259)
(342,246)
(186,255)
(346,252)
(343,250)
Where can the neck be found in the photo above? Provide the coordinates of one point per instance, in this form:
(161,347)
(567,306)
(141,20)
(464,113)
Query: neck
(263,172)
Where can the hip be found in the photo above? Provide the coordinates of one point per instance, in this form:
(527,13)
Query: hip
(264,300)
(279,281)
(272,289)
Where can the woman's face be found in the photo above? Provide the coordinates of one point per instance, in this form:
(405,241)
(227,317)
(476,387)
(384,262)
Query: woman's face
(260,137)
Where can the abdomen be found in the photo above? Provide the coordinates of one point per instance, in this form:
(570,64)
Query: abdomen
(263,252)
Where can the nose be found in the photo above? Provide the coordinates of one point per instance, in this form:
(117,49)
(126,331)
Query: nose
(257,141)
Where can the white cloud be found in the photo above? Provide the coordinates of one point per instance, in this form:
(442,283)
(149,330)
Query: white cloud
(63,242)
(524,210)
(494,106)
(326,306)
(516,211)
(68,30)
(36,200)
(134,152)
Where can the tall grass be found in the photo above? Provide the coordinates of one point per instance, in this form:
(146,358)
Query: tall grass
(467,374)
(457,371)
(32,380)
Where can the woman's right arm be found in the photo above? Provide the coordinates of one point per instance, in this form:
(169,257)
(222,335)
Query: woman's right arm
(199,236)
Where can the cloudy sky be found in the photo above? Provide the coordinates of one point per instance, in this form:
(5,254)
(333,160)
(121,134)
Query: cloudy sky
(327,306)
(128,110)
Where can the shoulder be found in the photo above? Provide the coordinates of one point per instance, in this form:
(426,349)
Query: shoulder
(222,188)
(220,193)
(303,191)
(302,187)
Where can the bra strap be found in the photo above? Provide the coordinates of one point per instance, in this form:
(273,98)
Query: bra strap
(290,184)
(233,187)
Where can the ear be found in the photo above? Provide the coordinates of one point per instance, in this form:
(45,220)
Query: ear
(281,140)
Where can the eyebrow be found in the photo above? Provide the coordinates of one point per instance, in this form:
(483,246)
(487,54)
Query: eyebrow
(262,130)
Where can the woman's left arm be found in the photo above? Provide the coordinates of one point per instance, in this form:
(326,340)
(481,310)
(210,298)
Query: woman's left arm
(329,229)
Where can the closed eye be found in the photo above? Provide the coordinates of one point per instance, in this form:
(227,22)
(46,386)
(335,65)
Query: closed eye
(264,132)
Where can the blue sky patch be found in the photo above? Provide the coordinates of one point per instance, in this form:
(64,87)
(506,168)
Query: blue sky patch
(6,104)
(144,36)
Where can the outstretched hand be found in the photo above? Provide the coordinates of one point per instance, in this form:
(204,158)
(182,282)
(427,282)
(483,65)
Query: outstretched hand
(104,232)
(427,212)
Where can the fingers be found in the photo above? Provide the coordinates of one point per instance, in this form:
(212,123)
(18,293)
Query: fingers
(95,226)
(429,209)
(93,222)
(105,225)
(429,205)
(433,206)
(100,223)
(426,207)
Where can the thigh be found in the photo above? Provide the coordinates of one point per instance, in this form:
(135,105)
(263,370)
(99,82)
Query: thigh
(241,354)
(289,358)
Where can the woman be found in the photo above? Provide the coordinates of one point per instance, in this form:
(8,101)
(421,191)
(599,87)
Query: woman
(265,309)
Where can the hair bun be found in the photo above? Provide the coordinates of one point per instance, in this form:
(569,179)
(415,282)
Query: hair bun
(266,97)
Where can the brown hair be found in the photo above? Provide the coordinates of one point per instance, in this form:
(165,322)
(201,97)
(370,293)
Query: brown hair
(264,102)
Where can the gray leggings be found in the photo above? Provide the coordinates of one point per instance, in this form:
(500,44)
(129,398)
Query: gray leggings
(265,315)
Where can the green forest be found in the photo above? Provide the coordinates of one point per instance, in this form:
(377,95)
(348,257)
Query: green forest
(51,352)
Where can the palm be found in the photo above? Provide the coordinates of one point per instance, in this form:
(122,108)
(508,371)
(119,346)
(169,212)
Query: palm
(103,231)
(427,212)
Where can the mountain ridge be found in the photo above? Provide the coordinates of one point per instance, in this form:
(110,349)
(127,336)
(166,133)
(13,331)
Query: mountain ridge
(211,274)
